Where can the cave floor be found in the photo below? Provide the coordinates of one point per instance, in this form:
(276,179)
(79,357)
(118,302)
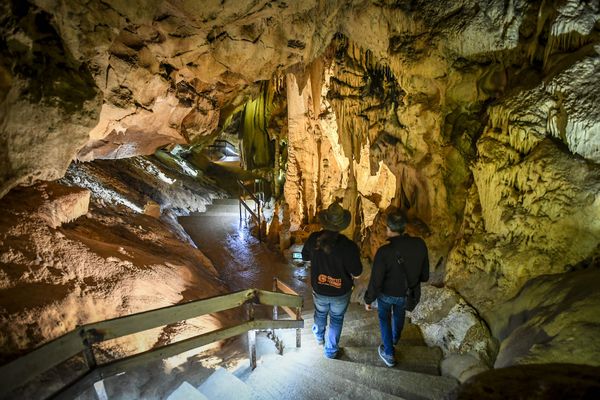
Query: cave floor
(241,260)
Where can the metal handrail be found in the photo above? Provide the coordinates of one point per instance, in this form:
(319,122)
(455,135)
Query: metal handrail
(256,215)
(296,314)
(223,144)
(24,369)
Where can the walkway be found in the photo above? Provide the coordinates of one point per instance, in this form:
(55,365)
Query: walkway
(240,258)
(242,261)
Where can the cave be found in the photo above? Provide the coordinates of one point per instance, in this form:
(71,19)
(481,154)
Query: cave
(160,155)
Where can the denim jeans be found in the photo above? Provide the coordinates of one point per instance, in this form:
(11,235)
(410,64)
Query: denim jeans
(391,314)
(335,307)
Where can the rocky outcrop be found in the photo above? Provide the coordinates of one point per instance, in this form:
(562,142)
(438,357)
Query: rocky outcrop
(61,205)
(553,319)
(447,322)
(111,260)
(535,382)
(48,99)
(532,194)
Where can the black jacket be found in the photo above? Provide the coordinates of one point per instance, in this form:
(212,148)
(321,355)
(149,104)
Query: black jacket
(331,274)
(388,276)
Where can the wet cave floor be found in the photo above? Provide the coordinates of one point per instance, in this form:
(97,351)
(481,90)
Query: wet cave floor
(242,261)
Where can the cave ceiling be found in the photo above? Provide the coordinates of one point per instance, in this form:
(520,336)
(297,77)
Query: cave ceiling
(111,79)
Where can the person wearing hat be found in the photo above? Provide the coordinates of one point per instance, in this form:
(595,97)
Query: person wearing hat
(398,265)
(335,261)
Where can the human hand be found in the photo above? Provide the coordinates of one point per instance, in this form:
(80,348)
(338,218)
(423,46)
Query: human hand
(368,307)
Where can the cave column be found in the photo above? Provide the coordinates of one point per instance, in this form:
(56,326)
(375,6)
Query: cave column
(301,187)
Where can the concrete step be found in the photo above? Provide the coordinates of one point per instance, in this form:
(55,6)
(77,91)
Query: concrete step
(218,214)
(371,336)
(327,377)
(225,386)
(278,377)
(279,383)
(406,384)
(355,333)
(421,359)
(227,202)
(185,391)
(225,208)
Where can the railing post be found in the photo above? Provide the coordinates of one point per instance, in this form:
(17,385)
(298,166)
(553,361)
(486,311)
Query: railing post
(251,338)
(259,224)
(298,330)
(88,352)
(275,306)
(240,205)
(275,311)
(100,390)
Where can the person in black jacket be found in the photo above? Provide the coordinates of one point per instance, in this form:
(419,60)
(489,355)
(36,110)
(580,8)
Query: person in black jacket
(335,261)
(399,264)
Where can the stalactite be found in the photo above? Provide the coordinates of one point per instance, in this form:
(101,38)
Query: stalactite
(256,143)
(316,82)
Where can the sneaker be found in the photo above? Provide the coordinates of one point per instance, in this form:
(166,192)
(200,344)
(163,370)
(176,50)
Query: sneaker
(388,360)
(333,356)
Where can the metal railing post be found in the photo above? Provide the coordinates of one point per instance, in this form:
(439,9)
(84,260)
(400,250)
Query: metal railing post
(275,290)
(275,311)
(251,338)
(259,224)
(100,390)
(88,352)
(298,330)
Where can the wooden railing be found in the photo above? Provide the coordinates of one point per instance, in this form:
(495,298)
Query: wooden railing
(26,368)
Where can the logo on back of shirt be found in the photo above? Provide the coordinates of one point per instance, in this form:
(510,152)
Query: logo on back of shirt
(327,280)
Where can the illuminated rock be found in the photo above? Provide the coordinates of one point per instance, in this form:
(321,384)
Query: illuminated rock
(62,204)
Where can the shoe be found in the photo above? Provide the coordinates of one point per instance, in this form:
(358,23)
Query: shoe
(335,355)
(388,360)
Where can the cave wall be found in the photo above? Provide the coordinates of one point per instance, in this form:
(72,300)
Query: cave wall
(480,124)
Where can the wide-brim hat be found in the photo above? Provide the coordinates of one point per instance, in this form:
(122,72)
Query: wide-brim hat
(335,218)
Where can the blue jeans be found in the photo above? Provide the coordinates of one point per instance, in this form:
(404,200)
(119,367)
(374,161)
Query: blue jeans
(391,313)
(336,307)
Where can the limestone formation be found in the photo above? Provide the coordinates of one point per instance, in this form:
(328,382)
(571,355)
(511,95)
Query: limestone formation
(535,382)
(553,319)
(449,323)
(61,205)
(61,269)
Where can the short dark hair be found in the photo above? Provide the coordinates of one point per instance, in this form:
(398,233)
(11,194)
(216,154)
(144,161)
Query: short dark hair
(396,221)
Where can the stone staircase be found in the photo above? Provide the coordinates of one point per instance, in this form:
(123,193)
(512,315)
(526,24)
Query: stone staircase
(357,373)
(221,208)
